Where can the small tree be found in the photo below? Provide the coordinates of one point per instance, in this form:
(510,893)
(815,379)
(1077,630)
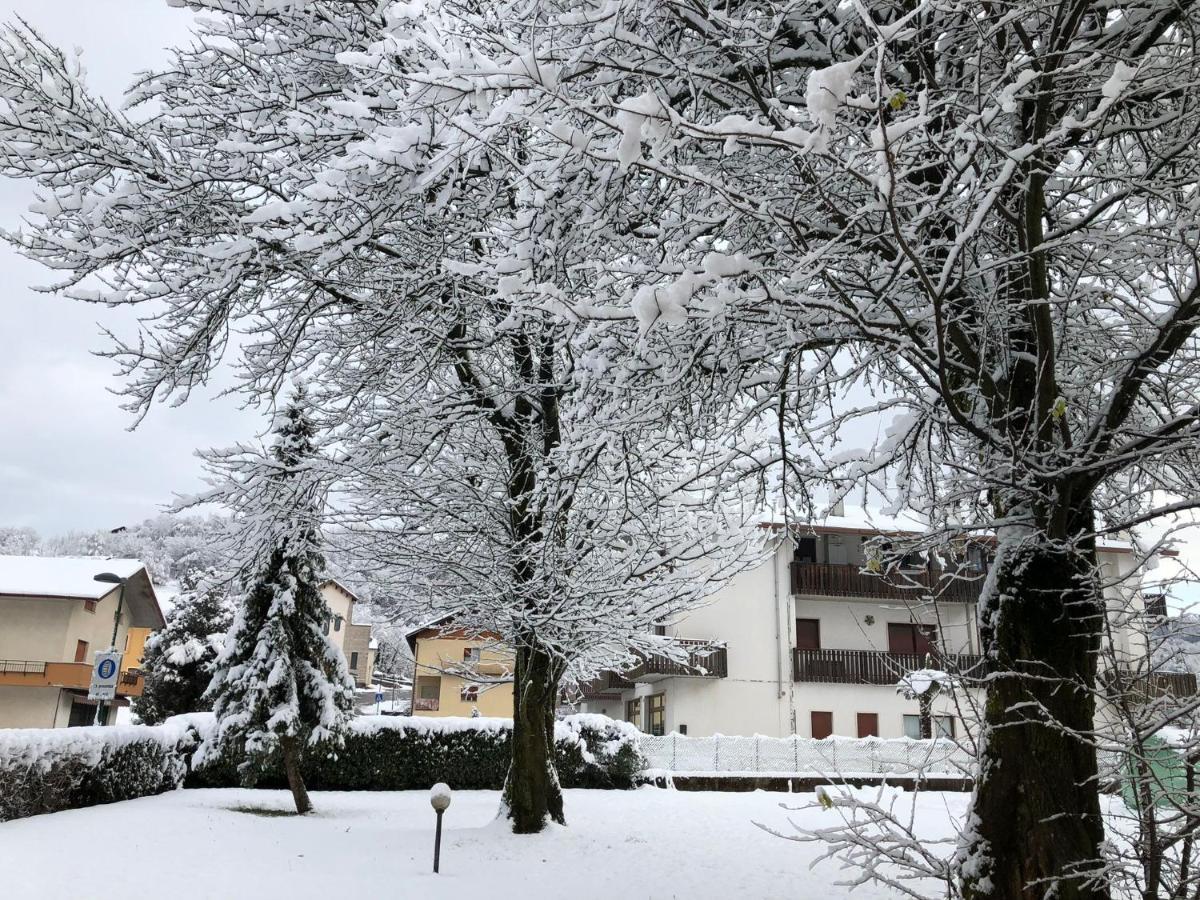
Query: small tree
(178,662)
(280,684)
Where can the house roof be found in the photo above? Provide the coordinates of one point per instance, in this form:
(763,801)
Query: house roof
(73,578)
(341,587)
(410,636)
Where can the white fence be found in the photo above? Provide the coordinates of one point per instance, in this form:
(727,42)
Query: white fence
(681,754)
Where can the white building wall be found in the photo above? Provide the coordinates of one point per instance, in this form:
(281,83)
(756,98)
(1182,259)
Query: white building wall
(754,615)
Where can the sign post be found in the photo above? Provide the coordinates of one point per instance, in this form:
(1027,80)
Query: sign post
(105,672)
(378,698)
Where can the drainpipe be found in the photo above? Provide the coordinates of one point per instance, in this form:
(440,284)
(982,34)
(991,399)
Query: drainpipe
(778,630)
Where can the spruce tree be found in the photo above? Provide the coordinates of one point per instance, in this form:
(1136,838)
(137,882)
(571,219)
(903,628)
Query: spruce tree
(280,685)
(179,659)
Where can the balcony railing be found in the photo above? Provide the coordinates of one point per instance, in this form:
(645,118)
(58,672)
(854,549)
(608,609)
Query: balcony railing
(704,660)
(1151,685)
(832,580)
(75,676)
(423,704)
(872,666)
(22,667)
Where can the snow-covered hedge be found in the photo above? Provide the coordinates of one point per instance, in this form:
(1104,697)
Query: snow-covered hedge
(48,769)
(386,753)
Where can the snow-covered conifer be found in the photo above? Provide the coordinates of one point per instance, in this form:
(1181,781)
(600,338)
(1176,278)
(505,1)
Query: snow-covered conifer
(178,660)
(280,684)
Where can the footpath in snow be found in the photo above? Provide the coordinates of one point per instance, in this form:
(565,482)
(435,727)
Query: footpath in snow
(240,843)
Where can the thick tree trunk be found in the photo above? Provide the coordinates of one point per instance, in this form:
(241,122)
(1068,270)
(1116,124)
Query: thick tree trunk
(291,766)
(532,794)
(1037,828)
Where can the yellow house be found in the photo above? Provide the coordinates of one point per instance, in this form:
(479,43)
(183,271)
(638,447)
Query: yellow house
(458,672)
(54,618)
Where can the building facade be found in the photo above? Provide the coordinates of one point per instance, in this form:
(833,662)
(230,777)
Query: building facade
(54,618)
(459,673)
(353,639)
(811,642)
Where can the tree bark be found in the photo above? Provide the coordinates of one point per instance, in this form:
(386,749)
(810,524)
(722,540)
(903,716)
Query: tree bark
(1037,827)
(532,794)
(291,766)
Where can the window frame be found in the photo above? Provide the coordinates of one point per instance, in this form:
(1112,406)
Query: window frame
(904,722)
(816,623)
(656,706)
(634,712)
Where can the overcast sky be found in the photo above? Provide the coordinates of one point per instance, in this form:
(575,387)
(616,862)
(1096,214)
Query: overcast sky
(67,459)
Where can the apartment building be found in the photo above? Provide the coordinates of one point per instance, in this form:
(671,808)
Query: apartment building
(353,639)
(810,642)
(459,673)
(54,618)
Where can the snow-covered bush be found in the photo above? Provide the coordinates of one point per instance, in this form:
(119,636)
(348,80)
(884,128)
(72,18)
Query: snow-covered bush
(46,770)
(393,754)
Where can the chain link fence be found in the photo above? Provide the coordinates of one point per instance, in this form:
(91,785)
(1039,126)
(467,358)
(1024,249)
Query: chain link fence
(683,754)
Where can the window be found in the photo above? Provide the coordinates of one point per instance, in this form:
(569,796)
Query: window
(337,623)
(633,712)
(89,605)
(430,688)
(808,634)
(656,714)
(905,637)
(354,661)
(822,724)
(912,727)
(683,729)
(81,651)
(943,726)
(868,725)
(471,654)
(1156,606)
(469,693)
(806,550)
(977,559)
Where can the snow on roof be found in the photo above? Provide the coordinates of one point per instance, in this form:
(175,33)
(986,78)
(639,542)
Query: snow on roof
(61,576)
(871,519)
(73,578)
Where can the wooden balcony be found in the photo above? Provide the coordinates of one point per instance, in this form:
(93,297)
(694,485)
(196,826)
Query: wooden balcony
(1150,685)
(704,660)
(872,666)
(827,580)
(76,676)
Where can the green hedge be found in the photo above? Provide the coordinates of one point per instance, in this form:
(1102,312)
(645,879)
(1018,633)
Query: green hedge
(398,754)
(46,770)
(49,770)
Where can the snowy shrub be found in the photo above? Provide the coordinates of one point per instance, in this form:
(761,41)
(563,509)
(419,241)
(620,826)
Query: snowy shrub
(384,753)
(46,770)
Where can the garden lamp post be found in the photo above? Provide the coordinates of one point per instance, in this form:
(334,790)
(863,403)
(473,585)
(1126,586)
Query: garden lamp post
(439,799)
(110,578)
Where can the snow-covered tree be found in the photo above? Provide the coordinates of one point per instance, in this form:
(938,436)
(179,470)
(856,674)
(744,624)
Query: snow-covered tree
(512,464)
(949,248)
(20,542)
(280,685)
(178,660)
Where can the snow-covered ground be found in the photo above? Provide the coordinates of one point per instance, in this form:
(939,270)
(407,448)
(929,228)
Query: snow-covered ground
(630,844)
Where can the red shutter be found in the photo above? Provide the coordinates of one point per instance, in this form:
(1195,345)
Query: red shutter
(822,724)
(868,725)
(808,634)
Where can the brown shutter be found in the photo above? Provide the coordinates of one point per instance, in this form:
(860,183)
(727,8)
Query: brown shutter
(808,634)
(81,650)
(901,638)
(868,725)
(822,724)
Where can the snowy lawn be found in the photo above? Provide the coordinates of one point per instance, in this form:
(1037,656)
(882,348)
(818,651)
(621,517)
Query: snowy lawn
(619,844)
